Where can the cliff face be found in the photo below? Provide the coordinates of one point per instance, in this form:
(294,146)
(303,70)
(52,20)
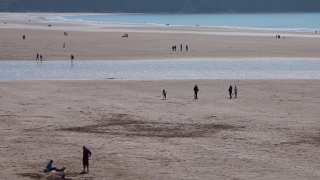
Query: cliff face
(160,6)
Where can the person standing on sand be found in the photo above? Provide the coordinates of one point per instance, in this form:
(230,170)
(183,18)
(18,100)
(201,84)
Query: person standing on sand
(64,45)
(37,58)
(40,57)
(85,160)
(235,91)
(187,48)
(230,91)
(196,90)
(72,57)
(180,47)
(164,93)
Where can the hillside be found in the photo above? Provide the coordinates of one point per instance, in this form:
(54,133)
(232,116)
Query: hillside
(160,6)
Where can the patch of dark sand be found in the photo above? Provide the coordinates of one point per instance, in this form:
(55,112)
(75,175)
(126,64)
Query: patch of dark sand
(122,124)
(31,175)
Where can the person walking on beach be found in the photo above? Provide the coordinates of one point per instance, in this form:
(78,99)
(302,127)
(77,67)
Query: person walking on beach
(64,45)
(24,37)
(186,47)
(180,47)
(85,160)
(196,90)
(40,57)
(71,57)
(230,91)
(235,91)
(37,58)
(164,93)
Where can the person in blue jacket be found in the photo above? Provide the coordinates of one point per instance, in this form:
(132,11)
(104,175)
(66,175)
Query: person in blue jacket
(50,167)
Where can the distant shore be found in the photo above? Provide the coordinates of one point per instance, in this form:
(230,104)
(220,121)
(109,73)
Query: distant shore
(89,41)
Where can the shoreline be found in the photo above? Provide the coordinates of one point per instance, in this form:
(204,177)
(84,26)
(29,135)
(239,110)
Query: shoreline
(46,16)
(88,41)
(37,18)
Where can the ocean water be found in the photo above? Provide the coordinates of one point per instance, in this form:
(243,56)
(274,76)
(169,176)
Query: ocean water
(161,70)
(271,21)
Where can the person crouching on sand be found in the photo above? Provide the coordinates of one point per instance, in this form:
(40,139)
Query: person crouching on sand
(50,167)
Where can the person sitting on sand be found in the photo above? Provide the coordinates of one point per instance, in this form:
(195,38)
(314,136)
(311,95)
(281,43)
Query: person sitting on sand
(63,173)
(50,167)
(164,93)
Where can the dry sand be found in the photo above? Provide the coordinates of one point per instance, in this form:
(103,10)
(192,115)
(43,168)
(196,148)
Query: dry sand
(104,42)
(271,131)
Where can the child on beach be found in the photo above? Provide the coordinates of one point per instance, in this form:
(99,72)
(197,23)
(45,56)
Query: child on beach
(164,93)
(63,173)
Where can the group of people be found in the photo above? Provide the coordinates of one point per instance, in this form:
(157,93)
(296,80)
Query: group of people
(174,48)
(85,161)
(235,91)
(196,90)
(125,35)
(39,57)
(65,33)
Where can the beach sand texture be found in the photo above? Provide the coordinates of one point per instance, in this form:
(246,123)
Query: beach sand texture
(270,131)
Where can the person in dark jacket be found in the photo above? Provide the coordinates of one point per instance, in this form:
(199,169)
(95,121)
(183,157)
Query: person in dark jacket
(196,90)
(86,154)
(230,91)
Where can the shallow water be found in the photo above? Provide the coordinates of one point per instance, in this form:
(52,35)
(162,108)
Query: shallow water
(160,70)
(285,21)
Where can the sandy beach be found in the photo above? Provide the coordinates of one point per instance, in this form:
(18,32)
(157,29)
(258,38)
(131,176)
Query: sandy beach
(105,42)
(270,131)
